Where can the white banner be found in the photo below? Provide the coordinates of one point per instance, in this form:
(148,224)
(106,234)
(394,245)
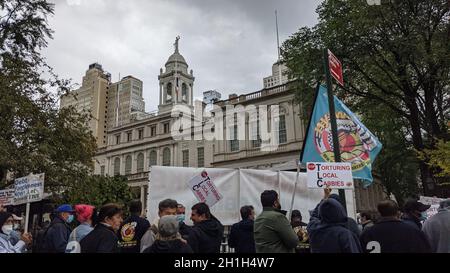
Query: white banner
(334,175)
(238,188)
(7,197)
(204,189)
(29,189)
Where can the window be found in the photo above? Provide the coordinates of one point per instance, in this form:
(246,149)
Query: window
(186,158)
(129,136)
(184,92)
(201,157)
(166,128)
(169,92)
(140,163)
(128,162)
(166,157)
(102,170)
(141,133)
(117,166)
(117,139)
(234,143)
(153,130)
(282,138)
(152,158)
(256,136)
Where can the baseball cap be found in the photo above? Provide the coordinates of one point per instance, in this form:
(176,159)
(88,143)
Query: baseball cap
(65,208)
(413,205)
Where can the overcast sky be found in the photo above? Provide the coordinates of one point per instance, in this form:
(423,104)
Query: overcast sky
(230,44)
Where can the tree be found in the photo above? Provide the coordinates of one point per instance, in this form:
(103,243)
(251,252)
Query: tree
(35,136)
(98,190)
(395,55)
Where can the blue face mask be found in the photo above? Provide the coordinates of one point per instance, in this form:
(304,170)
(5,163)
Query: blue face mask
(70,219)
(423,216)
(180,217)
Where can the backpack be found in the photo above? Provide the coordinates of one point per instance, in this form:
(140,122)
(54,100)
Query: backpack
(73,246)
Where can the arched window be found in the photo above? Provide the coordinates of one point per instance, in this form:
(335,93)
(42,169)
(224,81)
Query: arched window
(282,137)
(152,159)
(169,92)
(140,163)
(128,164)
(166,157)
(117,166)
(184,92)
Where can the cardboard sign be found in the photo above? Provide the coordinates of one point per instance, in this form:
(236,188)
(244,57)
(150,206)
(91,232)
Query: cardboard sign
(335,68)
(334,175)
(7,197)
(204,189)
(29,189)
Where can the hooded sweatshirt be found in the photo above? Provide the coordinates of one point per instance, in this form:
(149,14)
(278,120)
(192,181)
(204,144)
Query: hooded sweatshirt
(206,236)
(169,246)
(437,231)
(330,234)
(241,237)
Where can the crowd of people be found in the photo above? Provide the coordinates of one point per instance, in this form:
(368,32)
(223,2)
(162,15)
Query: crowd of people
(329,230)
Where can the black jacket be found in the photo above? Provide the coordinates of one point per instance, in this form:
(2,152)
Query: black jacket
(185,230)
(241,237)
(350,223)
(412,221)
(330,234)
(131,232)
(56,236)
(395,236)
(206,236)
(102,239)
(172,246)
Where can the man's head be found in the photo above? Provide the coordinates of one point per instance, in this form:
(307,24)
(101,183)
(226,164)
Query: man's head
(168,226)
(415,208)
(296,218)
(269,198)
(181,213)
(136,207)
(388,208)
(66,212)
(167,207)
(247,212)
(200,212)
(365,217)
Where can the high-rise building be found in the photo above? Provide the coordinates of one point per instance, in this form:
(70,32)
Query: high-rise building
(211,96)
(92,98)
(279,75)
(124,100)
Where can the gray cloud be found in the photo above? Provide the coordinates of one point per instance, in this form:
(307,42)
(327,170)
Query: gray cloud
(230,45)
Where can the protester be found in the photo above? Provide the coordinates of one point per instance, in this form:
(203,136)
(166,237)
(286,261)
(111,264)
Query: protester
(207,232)
(103,238)
(165,207)
(6,224)
(56,236)
(366,220)
(14,237)
(300,229)
(352,225)
(328,233)
(185,230)
(414,213)
(391,235)
(132,229)
(272,230)
(86,216)
(168,239)
(241,234)
(437,229)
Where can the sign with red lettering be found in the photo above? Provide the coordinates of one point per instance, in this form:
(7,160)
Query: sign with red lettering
(335,68)
(204,189)
(334,175)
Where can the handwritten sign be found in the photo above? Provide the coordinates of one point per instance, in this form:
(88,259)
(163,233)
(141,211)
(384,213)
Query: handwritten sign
(7,197)
(204,189)
(29,189)
(334,175)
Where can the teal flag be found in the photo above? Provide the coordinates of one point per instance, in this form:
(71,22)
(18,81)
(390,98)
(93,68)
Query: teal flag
(357,144)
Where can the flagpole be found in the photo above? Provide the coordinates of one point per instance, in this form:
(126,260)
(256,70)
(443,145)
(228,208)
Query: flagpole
(337,153)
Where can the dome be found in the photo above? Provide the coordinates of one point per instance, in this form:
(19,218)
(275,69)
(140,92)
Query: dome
(176,57)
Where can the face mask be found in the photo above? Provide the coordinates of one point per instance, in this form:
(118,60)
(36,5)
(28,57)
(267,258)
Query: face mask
(180,217)
(70,219)
(7,229)
(423,216)
(16,226)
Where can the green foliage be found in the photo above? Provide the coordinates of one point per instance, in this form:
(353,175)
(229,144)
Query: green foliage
(439,158)
(98,190)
